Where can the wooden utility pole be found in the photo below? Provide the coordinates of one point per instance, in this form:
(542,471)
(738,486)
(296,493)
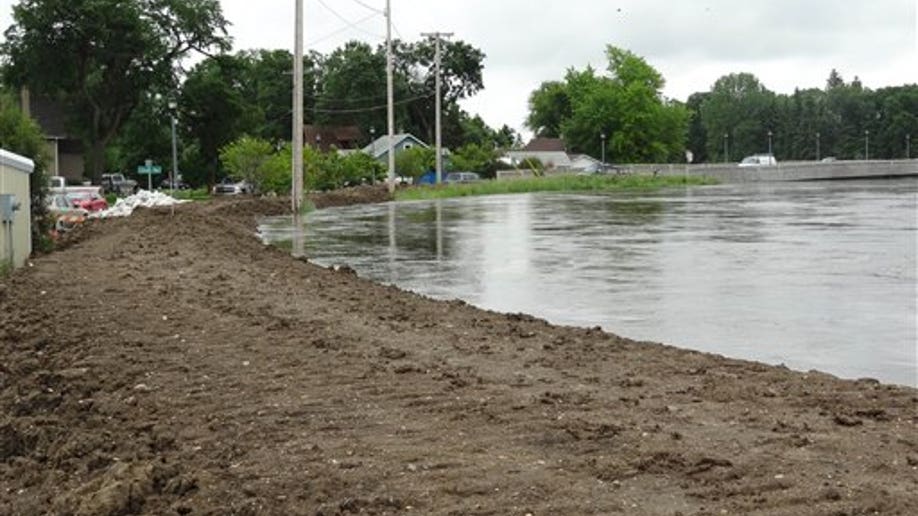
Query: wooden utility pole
(437,37)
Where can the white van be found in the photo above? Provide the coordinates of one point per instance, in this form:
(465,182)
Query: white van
(759,160)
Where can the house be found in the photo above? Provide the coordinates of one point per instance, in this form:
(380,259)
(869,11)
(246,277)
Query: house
(379,148)
(15,209)
(550,152)
(64,150)
(326,138)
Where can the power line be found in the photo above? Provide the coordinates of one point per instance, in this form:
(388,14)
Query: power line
(369,109)
(353,25)
(342,29)
(365,6)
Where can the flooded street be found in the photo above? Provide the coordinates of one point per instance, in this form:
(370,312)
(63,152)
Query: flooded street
(811,275)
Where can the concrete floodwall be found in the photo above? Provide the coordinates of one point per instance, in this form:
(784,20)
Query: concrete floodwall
(732,173)
(788,171)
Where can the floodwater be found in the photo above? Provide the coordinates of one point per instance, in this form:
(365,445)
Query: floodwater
(815,275)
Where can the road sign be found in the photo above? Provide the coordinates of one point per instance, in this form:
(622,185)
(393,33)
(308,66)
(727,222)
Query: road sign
(154,170)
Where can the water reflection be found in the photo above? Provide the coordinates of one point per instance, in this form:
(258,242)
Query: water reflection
(818,275)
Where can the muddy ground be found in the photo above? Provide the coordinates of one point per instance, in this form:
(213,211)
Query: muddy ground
(175,365)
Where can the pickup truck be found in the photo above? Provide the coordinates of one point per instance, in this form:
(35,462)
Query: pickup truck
(118,185)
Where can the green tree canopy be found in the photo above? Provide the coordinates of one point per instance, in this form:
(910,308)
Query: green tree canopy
(627,106)
(100,56)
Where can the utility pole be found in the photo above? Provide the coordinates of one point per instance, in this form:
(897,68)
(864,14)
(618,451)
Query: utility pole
(296,197)
(390,102)
(437,37)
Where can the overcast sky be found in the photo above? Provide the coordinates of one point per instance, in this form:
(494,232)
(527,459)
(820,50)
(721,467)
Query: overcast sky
(785,43)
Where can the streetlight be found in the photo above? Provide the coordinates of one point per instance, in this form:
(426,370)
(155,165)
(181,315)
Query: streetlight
(769,142)
(172,106)
(726,149)
(602,137)
(817,146)
(866,144)
(908,146)
(318,142)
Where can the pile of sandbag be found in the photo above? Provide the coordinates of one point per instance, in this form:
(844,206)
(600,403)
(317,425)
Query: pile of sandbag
(142,199)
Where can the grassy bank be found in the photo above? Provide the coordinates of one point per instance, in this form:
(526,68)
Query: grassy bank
(570,183)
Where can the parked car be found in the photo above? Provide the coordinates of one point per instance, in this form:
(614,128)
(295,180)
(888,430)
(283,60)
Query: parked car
(118,184)
(229,186)
(178,184)
(66,216)
(461,177)
(89,201)
(759,160)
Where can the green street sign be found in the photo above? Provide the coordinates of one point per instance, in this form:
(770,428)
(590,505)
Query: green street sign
(153,170)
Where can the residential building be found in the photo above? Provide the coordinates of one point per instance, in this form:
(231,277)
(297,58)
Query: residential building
(64,149)
(379,148)
(550,152)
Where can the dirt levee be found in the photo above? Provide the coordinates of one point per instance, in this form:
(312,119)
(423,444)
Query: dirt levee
(168,364)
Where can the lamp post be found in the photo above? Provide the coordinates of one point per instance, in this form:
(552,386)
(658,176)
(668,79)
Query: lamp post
(726,149)
(866,144)
(769,142)
(818,156)
(175,172)
(318,142)
(602,137)
(908,146)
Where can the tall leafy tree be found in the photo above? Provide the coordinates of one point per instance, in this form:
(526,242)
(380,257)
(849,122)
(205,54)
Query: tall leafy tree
(740,107)
(549,106)
(215,110)
(100,56)
(627,106)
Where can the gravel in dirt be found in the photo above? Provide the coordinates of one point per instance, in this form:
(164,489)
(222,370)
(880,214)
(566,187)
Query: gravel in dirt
(173,364)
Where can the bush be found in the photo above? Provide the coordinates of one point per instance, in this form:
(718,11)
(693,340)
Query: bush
(415,161)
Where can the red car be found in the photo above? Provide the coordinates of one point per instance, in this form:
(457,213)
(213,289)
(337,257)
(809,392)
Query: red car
(88,201)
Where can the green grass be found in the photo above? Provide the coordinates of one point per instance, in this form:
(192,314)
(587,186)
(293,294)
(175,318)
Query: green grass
(198,194)
(569,183)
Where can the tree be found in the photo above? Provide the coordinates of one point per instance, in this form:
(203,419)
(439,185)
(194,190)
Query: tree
(628,107)
(20,134)
(415,161)
(740,107)
(245,158)
(100,56)
(215,110)
(473,157)
(549,106)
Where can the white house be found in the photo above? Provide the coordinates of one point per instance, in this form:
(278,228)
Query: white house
(550,152)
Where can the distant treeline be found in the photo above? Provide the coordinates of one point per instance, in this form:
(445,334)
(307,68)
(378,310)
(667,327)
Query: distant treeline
(845,120)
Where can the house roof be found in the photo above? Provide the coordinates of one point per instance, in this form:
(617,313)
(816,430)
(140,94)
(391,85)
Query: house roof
(545,145)
(340,137)
(380,146)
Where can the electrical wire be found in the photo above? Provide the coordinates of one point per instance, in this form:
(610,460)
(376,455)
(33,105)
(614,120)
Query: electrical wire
(350,24)
(371,8)
(368,109)
(339,31)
